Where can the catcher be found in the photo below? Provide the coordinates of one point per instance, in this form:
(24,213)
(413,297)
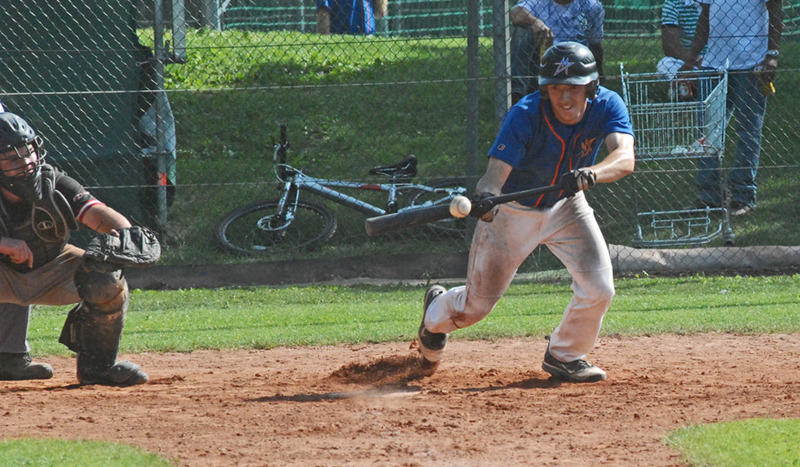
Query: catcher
(39,206)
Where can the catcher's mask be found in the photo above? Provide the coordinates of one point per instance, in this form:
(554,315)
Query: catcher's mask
(569,63)
(21,157)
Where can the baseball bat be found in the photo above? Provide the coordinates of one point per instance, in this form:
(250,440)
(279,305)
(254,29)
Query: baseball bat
(414,217)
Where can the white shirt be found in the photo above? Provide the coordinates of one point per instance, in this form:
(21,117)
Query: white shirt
(738,32)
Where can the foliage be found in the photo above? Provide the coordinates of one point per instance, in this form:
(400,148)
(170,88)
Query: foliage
(354,102)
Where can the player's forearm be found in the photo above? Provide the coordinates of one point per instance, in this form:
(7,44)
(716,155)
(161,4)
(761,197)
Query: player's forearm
(494,178)
(620,160)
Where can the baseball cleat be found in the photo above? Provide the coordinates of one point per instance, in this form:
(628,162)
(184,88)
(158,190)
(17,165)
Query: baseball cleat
(577,371)
(431,344)
(20,366)
(121,374)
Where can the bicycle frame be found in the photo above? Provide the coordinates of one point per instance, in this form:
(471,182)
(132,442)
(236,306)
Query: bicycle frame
(298,181)
(294,180)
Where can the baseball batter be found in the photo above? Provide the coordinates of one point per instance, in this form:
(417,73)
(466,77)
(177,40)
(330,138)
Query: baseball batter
(549,137)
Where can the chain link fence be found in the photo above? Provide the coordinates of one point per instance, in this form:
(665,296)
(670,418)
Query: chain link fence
(169,112)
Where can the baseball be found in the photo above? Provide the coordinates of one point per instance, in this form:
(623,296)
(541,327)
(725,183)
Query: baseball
(460,206)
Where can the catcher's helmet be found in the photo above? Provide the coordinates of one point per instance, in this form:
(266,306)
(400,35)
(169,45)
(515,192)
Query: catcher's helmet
(569,63)
(16,136)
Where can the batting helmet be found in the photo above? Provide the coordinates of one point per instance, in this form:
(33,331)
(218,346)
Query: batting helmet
(569,63)
(15,136)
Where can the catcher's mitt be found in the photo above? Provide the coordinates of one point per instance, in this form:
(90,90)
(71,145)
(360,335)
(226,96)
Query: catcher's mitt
(135,246)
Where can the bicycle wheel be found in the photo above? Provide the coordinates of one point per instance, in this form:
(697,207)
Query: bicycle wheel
(445,227)
(259,228)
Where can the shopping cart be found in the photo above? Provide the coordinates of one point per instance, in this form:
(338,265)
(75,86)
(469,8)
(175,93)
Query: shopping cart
(676,122)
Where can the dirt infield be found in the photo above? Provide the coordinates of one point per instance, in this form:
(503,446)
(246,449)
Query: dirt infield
(489,404)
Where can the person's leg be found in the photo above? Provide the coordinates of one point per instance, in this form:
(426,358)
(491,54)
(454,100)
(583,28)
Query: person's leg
(579,244)
(14,328)
(93,328)
(497,250)
(708,180)
(522,51)
(751,105)
(15,362)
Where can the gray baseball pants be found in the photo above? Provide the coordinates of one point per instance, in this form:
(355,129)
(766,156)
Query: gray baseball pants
(569,229)
(51,284)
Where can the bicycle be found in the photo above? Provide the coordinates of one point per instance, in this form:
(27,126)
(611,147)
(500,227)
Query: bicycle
(290,222)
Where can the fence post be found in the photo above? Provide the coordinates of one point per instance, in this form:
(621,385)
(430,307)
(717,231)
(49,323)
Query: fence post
(473,73)
(160,55)
(211,14)
(502,60)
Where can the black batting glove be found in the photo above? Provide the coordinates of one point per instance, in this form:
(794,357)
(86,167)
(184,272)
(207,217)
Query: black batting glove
(577,180)
(482,206)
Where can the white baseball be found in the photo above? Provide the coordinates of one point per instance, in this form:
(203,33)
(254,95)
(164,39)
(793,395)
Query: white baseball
(460,206)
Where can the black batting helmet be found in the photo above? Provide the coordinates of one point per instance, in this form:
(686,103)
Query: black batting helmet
(569,63)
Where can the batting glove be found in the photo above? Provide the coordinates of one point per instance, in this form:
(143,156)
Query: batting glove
(482,206)
(577,180)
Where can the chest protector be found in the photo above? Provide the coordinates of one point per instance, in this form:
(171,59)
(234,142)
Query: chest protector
(45,227)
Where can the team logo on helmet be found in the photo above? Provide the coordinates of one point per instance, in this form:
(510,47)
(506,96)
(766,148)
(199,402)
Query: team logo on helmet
(563,67)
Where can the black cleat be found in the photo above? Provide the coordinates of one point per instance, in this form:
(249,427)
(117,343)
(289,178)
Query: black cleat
(577,371)
(431,344)
(122,374)
(20,366)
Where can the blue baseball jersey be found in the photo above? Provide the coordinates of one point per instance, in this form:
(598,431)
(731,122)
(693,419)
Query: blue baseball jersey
(350,16)
(540,149)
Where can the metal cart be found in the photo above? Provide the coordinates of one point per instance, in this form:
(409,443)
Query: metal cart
(676,123)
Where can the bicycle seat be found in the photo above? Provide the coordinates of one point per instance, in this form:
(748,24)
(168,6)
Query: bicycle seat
(403,170)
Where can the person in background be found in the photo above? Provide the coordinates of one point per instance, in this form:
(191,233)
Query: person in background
(678,20)
(745,37)
(349,16)
(538,24)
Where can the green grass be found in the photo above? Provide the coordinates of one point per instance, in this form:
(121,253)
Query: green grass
(263,317)
(760,442)
(50,452)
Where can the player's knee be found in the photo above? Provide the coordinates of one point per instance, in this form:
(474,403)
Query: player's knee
(104,291)
(603,294)
(607,291)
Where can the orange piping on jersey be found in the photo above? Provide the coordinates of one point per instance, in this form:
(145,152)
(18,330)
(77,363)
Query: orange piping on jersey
(574,144)
(561,159)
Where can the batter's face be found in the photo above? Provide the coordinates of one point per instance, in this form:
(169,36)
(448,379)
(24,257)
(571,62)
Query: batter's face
(569,102)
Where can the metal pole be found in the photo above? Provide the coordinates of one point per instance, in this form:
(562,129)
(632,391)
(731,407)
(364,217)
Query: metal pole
(160,55)
(211,14)
(473,73)
(502,60)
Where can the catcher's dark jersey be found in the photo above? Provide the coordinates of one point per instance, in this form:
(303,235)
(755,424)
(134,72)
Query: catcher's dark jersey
(45,225)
